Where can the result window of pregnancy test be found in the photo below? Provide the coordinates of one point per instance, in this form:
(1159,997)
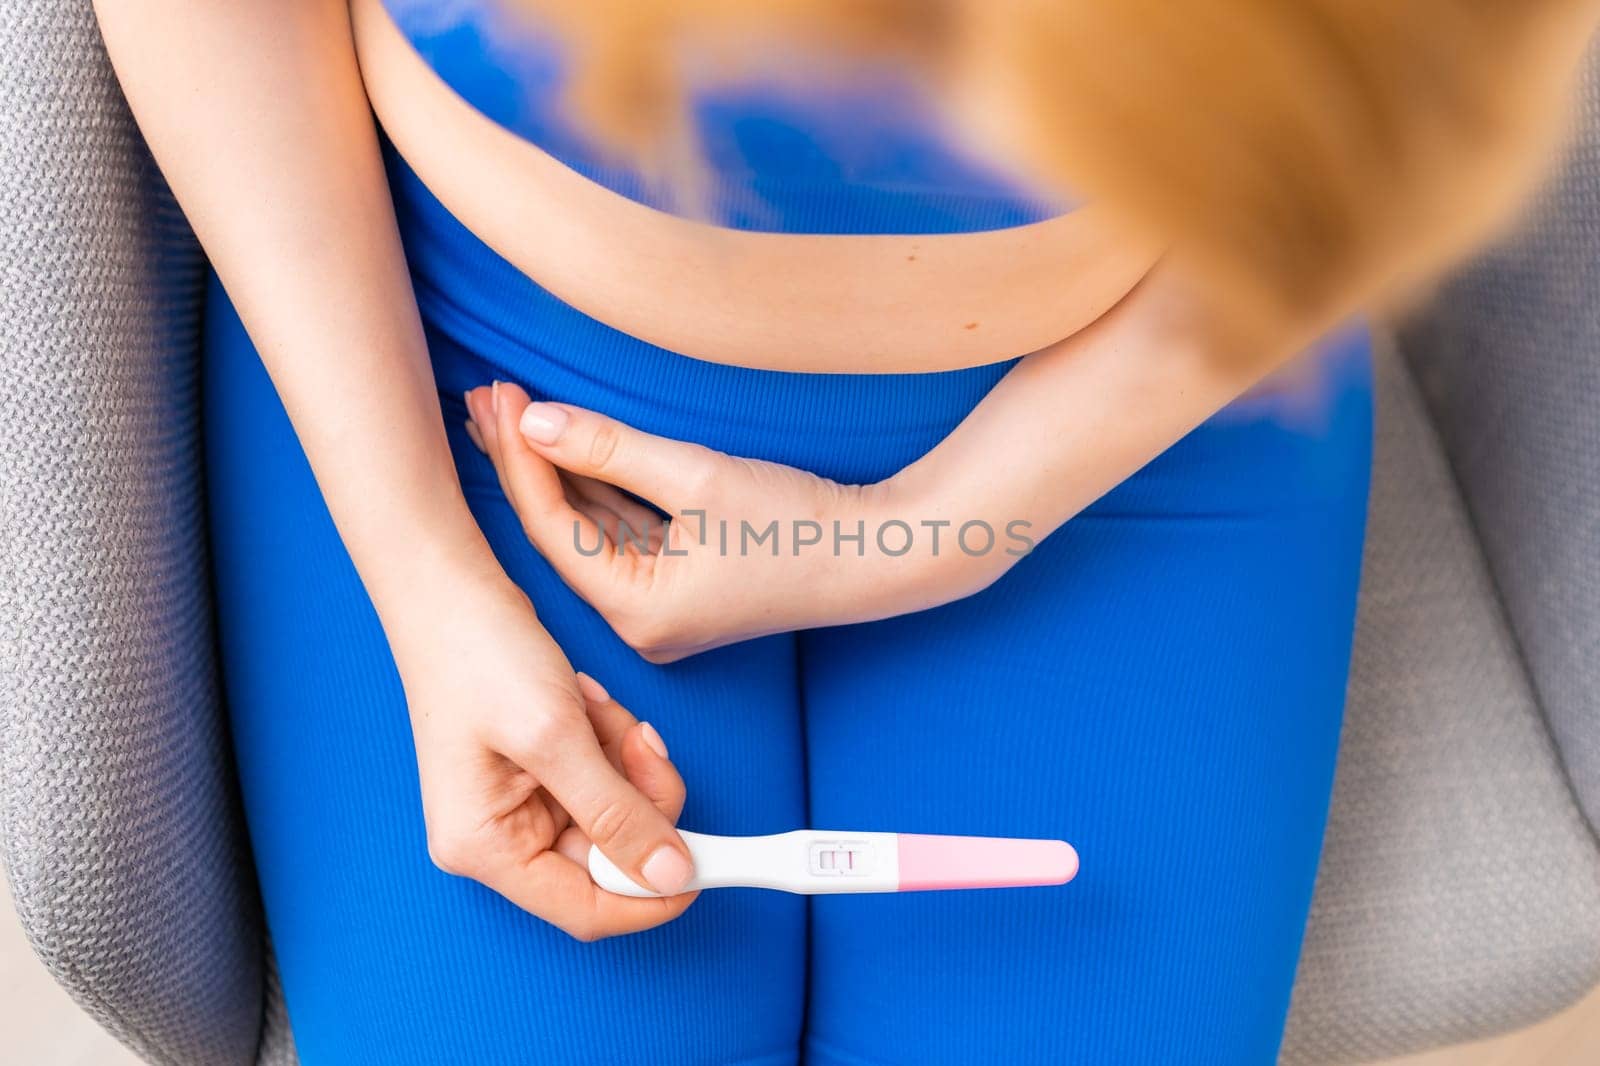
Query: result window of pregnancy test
(848,858)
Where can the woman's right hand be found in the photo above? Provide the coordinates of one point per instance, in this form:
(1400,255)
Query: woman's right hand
(524,763)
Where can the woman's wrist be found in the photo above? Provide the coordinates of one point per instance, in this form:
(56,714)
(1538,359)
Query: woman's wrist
(436,570)
(448,607)
(924,548)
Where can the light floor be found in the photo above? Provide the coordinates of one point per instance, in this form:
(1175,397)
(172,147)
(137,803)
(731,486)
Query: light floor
(1571,1038)
(40,1026)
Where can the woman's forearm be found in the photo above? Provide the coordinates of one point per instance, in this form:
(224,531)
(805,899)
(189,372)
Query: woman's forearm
(255,112)
(755,547)
(1074,420)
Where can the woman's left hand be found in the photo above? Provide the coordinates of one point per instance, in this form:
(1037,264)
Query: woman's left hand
(751,547)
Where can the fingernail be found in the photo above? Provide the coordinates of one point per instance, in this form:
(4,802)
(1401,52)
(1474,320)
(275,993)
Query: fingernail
(667,870)
(592,690)
(494,396)
(653,739)
(542,423)
(477,438)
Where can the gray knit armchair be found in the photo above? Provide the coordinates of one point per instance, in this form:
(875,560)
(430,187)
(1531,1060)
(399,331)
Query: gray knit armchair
(1460,887)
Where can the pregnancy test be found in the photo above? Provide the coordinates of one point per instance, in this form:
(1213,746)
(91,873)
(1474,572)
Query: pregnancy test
(815,862)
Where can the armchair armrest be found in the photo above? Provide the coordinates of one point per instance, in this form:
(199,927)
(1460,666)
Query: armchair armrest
(1508,358)
(118,821)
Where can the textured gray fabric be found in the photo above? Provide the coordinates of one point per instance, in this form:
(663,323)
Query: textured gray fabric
(1508,356)
(1459,893)
(118,820)
(277,1042)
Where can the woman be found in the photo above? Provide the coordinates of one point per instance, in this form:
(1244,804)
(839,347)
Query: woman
(749,272)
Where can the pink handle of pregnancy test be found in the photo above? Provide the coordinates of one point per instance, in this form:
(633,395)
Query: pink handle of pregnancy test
(939,862)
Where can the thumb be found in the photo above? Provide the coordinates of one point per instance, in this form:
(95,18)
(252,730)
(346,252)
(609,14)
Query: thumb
(664,471)
(627,826)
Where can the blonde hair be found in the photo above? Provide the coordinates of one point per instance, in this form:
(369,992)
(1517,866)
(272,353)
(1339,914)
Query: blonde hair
(1304,157)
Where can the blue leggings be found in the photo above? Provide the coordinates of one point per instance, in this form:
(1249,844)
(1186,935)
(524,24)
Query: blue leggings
(1160,682)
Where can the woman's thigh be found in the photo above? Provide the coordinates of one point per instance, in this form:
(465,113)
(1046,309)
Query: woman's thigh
(1160,683)
(384,958)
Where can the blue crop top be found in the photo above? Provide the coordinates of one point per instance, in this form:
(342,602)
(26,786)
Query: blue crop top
(860,155)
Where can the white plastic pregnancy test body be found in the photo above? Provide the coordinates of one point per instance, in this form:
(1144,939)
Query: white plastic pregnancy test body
(816,861)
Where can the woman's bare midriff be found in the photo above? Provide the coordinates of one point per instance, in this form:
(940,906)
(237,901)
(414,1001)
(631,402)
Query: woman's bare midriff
(798,302)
